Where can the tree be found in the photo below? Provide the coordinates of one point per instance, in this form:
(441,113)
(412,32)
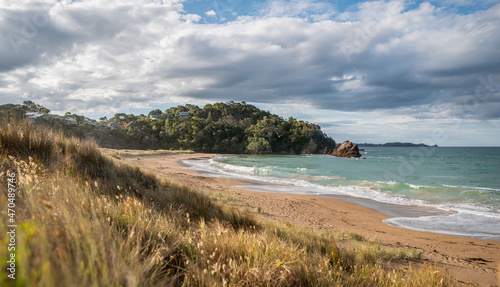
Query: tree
(118,117)
(209,117)
(29,105)
(78,119)
(258,145)
(32,107)
(43,110)
(103,119)
(130,118)
(155,114)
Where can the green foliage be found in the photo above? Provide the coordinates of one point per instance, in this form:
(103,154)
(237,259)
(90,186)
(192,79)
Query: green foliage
(103,136)
(220,128)
(155,114)
(123,117)
(29,105)
(240,128)
(32,107)
(258,145)
(10,111)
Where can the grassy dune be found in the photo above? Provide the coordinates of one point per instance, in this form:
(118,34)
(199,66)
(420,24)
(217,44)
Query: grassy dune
(84,219)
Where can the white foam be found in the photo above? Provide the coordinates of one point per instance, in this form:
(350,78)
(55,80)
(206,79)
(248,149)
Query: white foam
(368,192)
(414,186)
(471,187)
(459,224)
(469,219)
(218,169)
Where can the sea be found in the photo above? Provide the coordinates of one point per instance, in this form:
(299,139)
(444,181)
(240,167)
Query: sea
(448,190)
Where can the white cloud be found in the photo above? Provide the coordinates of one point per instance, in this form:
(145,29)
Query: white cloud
(381,57)
(211,13)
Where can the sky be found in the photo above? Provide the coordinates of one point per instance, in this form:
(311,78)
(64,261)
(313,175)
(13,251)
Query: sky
(365,71)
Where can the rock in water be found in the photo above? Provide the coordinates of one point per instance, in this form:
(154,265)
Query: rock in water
(346,149)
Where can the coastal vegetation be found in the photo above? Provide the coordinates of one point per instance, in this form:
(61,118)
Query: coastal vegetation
(220,128)
(86,219)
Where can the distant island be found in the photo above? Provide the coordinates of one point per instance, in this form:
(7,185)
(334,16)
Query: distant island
(395,144)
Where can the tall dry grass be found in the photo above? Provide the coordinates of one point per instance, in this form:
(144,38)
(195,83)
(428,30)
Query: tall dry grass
(85,220)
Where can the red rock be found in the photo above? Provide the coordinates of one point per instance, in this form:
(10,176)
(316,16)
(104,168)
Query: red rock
(346,149)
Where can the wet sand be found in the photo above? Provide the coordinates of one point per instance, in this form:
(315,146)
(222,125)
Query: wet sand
(473,262)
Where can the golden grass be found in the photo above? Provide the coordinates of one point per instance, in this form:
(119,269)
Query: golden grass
(84,220)
(130,153)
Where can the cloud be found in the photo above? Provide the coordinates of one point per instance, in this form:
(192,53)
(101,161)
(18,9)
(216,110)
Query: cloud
(382,56)
(211,13)
(305,9)
(85,52)
(468,3)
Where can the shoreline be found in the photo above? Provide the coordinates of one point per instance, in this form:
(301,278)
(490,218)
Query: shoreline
(470,261)
(412,214)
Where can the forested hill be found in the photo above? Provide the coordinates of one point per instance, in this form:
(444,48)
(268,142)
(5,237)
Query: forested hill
(229,128)
(220,128)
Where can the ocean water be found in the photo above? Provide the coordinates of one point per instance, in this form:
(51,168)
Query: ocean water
(465,182)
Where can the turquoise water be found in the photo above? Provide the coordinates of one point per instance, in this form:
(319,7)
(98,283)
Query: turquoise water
(463,180)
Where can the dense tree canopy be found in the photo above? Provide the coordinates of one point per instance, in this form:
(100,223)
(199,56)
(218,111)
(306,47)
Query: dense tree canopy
(228,128)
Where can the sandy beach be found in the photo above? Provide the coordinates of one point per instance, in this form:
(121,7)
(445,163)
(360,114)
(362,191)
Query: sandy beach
(472,262)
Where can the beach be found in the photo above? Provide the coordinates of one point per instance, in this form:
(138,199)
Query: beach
(473,262)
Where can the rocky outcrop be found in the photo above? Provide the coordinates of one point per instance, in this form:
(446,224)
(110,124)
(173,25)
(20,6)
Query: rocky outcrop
(346,149)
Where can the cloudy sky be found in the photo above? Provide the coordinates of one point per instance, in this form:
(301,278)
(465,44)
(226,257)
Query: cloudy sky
(366,71)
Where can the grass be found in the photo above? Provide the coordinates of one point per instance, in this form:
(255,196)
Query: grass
(404,254)
(129,153)
(355,236)
(86,220)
